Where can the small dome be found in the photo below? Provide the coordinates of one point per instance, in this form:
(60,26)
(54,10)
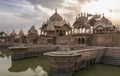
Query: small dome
(104,20)
(81,22)
(56,17)
(21,33)
(32,30)
(13,33)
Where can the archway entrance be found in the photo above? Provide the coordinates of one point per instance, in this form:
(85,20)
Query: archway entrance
(83,41)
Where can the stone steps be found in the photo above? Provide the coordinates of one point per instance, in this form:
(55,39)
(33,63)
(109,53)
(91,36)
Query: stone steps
(111,60)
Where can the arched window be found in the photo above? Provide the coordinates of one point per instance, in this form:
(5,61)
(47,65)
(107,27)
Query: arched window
(83,41)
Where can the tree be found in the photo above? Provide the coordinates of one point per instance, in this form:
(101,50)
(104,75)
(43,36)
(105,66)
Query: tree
(61,34)
(1,33)
(94,19)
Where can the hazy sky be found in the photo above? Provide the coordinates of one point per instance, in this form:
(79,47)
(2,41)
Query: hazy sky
(16,14)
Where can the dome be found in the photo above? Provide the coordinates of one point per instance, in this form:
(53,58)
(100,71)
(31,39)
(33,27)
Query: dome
(81,22)
(103,22)
(56,17)
(32,30)
(21,33)
(54,21)
(13,33)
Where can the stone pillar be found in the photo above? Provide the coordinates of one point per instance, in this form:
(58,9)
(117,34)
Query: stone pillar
(40,32)
(62,65)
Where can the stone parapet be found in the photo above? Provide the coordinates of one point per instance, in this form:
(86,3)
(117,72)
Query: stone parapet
(62,63)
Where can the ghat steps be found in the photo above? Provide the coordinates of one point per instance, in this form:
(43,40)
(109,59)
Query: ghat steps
(111,60)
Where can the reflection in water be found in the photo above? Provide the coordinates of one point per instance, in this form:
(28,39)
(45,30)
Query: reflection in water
(40,66)
(36,64)
(5,53)
(39,72)
(100,70)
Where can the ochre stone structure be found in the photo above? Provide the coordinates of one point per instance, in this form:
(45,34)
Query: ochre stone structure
(65,63)
(87,29)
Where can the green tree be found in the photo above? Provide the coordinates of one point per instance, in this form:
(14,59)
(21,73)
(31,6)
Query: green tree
(94,19)
(1,33)
(61,34)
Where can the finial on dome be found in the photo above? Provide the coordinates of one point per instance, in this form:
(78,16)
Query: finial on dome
(68,22)
(76,17)
(56,9)
(87,14)
(13,30)
(103,14)
(78,14)
(84,14)
(81,14)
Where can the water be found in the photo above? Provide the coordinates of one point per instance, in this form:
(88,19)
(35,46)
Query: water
(40,66)
(100,70)
(37,66)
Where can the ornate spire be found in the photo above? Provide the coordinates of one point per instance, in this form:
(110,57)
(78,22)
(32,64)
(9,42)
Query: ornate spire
(56,9)
(13,33)
(21,32)
(87,14)
(78,14)
(103,15)
(84,14)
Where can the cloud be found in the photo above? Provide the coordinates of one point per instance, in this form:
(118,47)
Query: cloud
(115,11)
(28,15)
(69,17)
(46,3)
(83,1)
(25,13)
(13,6)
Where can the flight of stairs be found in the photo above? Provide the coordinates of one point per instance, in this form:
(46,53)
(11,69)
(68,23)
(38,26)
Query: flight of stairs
(111,60)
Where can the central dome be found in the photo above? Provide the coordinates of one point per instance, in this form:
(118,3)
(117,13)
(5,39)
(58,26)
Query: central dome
(56,17)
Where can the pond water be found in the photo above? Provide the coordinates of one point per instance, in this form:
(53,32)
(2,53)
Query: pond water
(40,66)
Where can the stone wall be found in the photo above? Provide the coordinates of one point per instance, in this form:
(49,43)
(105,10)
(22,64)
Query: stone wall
(88,57)
(42,40)
(63,40)
(65,63)
(105,39)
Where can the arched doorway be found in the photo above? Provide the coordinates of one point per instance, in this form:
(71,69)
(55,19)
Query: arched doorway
(83,40)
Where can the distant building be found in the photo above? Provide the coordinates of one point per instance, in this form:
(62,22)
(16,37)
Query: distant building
(32,36)
(13,36)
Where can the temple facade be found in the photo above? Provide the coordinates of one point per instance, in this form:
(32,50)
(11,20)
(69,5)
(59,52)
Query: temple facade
(58,31)
(56,26)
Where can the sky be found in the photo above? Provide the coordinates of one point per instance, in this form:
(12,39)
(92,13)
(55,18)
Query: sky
(22,14)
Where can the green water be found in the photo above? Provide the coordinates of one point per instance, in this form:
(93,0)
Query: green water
(40,66)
